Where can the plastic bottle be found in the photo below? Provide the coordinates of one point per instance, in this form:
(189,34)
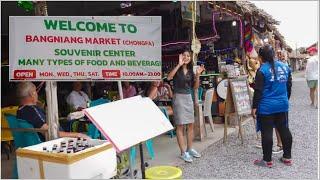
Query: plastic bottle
(84,142)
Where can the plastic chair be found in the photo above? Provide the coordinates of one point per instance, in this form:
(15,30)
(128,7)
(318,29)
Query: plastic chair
(165,112)
(98,102)
(133,152)
(93,132)
(21,139)
(207,107)
(6,136)
(200,92)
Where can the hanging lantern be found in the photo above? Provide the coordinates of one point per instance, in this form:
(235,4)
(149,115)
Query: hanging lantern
(26,5)
(196,46)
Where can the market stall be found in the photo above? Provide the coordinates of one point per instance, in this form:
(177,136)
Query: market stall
(143,63)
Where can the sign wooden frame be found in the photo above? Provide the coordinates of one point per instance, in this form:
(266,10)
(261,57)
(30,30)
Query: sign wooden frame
(231,107)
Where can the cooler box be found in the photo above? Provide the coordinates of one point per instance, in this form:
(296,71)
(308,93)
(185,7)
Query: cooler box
(98,162)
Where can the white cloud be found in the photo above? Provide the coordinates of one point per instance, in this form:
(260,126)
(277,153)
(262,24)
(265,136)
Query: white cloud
(299,20)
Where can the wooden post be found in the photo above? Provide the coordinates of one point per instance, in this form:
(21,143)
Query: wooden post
(194,19)
(199,126)
(225,134)
(120,90)
(229,108)
(52,109)
(41,8)
(51,87)
(240,128)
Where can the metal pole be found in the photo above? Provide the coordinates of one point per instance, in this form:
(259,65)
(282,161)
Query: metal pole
(120,90)
(143,169)
(130,163)
(51,87)
(296,50)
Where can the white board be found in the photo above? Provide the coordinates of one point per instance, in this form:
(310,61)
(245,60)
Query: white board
(129,121)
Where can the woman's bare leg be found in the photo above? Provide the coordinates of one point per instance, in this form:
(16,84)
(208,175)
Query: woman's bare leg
(190,135)
(312,95)
(180,138)
(279,142)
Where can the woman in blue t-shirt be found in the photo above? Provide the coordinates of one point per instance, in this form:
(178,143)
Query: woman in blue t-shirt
(270,103)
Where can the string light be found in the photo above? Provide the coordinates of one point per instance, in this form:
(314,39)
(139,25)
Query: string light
(240,27)
(212,37)
(234,23)
(187,42)
(175,43)
(214,24)
(241,32)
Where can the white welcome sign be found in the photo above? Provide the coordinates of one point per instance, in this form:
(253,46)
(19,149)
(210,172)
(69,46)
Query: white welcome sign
(85,48)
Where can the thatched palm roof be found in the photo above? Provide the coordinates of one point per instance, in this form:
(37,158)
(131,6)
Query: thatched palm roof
(251,8)
(280,37)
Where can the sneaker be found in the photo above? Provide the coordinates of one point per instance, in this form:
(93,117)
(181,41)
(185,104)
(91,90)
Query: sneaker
(277,150)
(194,153)
(259,146)
(186,157)
(285,161)
(262,163)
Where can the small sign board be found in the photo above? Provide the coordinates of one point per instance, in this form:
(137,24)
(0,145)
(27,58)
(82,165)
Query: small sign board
(187,7)
(238,102)
(241,96)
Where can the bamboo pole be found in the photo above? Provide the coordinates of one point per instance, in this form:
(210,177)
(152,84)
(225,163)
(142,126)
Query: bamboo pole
(51,87)
(194,18)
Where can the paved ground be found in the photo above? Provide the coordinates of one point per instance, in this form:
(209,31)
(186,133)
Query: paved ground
(236,161)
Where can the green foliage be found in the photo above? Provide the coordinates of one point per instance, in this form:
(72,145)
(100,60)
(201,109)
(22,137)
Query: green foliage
(26,5)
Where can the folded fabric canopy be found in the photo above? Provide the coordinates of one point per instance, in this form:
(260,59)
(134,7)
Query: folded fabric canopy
(312,49)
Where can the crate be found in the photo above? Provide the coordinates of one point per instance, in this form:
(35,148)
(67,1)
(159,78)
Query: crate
(98,162)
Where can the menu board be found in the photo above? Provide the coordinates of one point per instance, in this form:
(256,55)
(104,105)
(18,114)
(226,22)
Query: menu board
(241,97)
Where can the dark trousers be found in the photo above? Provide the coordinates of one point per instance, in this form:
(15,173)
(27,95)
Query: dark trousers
(279,121)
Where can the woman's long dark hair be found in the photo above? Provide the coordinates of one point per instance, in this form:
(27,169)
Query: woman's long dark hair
(190,65)
(267,54)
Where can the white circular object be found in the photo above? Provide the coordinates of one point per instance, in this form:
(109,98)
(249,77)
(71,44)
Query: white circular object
(196,46)
(222,89)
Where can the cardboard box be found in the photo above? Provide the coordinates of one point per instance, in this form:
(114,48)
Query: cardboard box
(98,162)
